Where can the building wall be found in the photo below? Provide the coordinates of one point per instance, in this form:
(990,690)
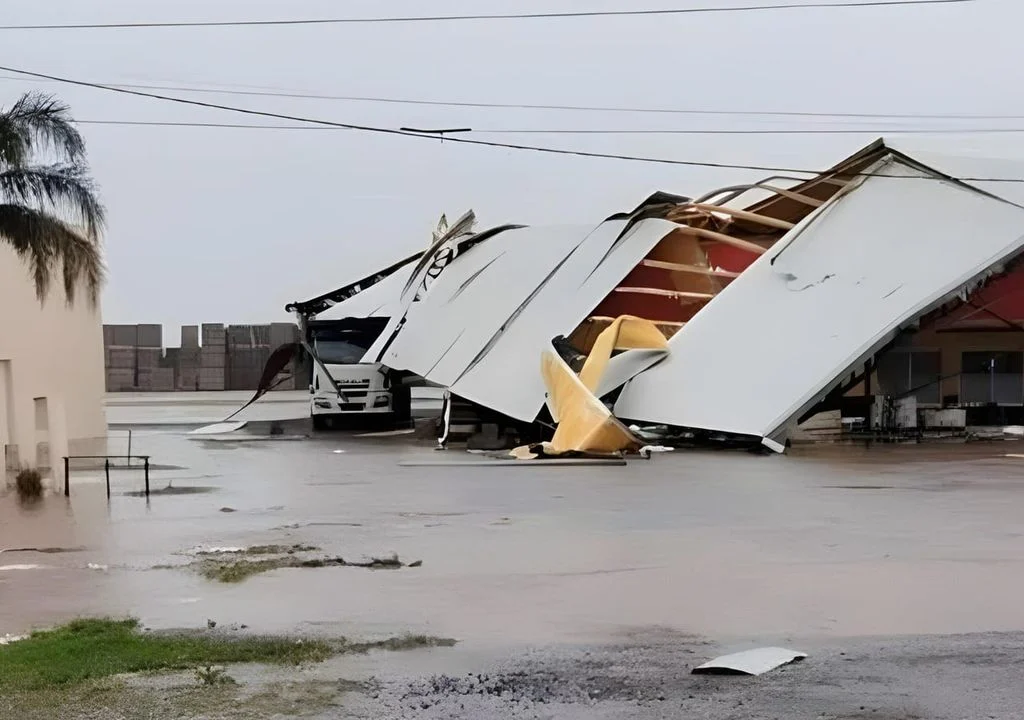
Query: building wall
(51,372)
(952,345)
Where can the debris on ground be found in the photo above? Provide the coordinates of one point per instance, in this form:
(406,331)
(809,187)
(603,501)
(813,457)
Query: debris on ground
(585,424)
(232,565)
(750,662)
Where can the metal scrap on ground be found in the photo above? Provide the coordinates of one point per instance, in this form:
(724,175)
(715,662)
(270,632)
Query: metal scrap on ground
(750,662)
(585,424)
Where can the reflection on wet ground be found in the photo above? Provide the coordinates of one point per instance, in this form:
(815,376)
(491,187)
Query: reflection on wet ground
(848,541)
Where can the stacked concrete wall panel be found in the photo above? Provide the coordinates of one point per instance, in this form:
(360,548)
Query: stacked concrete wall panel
(123,335)
(228,358)
(150,336)
(212,357)
(187,376)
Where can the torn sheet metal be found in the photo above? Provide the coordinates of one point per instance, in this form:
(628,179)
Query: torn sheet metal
(345,293)
(493,311)
(380,300)
(832,292)
(424,275)
(585,424)
(750,662)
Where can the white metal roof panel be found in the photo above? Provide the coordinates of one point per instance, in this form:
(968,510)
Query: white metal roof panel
(504,373)
(833,291)
(985,173)
(473,297)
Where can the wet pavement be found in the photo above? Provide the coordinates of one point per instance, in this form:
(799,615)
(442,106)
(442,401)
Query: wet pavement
(702,551)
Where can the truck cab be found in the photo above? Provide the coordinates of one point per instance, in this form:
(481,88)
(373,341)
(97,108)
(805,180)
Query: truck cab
(365,391)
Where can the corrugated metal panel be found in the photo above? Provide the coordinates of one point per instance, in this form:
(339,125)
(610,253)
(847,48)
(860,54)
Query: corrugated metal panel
(481,328)
(506,376)
(982,172)
(472,298)
(836,289)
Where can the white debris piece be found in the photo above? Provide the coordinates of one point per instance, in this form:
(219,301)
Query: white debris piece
(646,450)
(750,662)
(219,428)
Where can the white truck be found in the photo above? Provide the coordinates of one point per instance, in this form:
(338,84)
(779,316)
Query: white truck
(344,390)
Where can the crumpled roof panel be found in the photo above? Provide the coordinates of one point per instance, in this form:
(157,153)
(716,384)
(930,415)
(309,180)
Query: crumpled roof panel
(507,377)
(815,306)
(473,296)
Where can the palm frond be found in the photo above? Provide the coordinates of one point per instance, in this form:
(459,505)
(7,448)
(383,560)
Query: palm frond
(13,147)
(44,122)
(66,189)
(46,243)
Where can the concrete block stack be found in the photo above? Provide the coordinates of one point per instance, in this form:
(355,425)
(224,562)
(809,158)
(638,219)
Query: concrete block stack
(120,368)
(187,359)
(151,374)
(212,357)
(126,336)
(298,372)
(119,346)
(227,358)
(150,336)
(248,349)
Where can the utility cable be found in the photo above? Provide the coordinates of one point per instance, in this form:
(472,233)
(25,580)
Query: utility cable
(485,131)
(501,16)
(462,140)
(299,95)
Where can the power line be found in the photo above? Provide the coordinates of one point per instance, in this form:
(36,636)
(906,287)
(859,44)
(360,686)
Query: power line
(502,16)
(296,95)
(459,140)
(563,131)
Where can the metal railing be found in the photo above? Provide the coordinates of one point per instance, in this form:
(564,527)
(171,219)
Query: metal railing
(106,467)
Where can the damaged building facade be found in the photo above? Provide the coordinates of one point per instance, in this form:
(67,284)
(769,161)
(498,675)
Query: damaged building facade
(887,288)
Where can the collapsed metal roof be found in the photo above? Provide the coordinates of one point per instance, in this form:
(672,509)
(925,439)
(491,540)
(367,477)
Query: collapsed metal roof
(901,238)
(485,320)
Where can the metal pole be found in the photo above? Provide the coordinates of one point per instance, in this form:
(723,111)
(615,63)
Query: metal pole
(129,447)
(146,459)
(67,476)
(106,467)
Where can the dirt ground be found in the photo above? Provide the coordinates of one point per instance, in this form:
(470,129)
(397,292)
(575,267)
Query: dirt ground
(573,592)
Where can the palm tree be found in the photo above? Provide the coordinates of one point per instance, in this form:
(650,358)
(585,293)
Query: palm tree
(50,214)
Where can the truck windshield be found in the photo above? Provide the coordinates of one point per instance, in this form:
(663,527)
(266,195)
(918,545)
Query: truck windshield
(344,346)
(339,352)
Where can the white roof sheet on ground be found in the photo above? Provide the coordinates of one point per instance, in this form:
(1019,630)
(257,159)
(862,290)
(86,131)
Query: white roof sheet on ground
(811,309)
(380,300)
(481,328)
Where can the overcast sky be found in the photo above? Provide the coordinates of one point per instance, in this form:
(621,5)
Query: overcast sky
(228,225)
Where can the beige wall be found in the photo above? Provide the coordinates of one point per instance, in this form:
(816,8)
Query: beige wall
(48,351)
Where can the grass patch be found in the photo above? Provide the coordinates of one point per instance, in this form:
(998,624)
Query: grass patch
(114,698)
(397,644)
(90,649)
(235,571)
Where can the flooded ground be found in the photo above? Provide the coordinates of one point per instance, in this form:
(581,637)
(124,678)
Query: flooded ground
(668,560)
